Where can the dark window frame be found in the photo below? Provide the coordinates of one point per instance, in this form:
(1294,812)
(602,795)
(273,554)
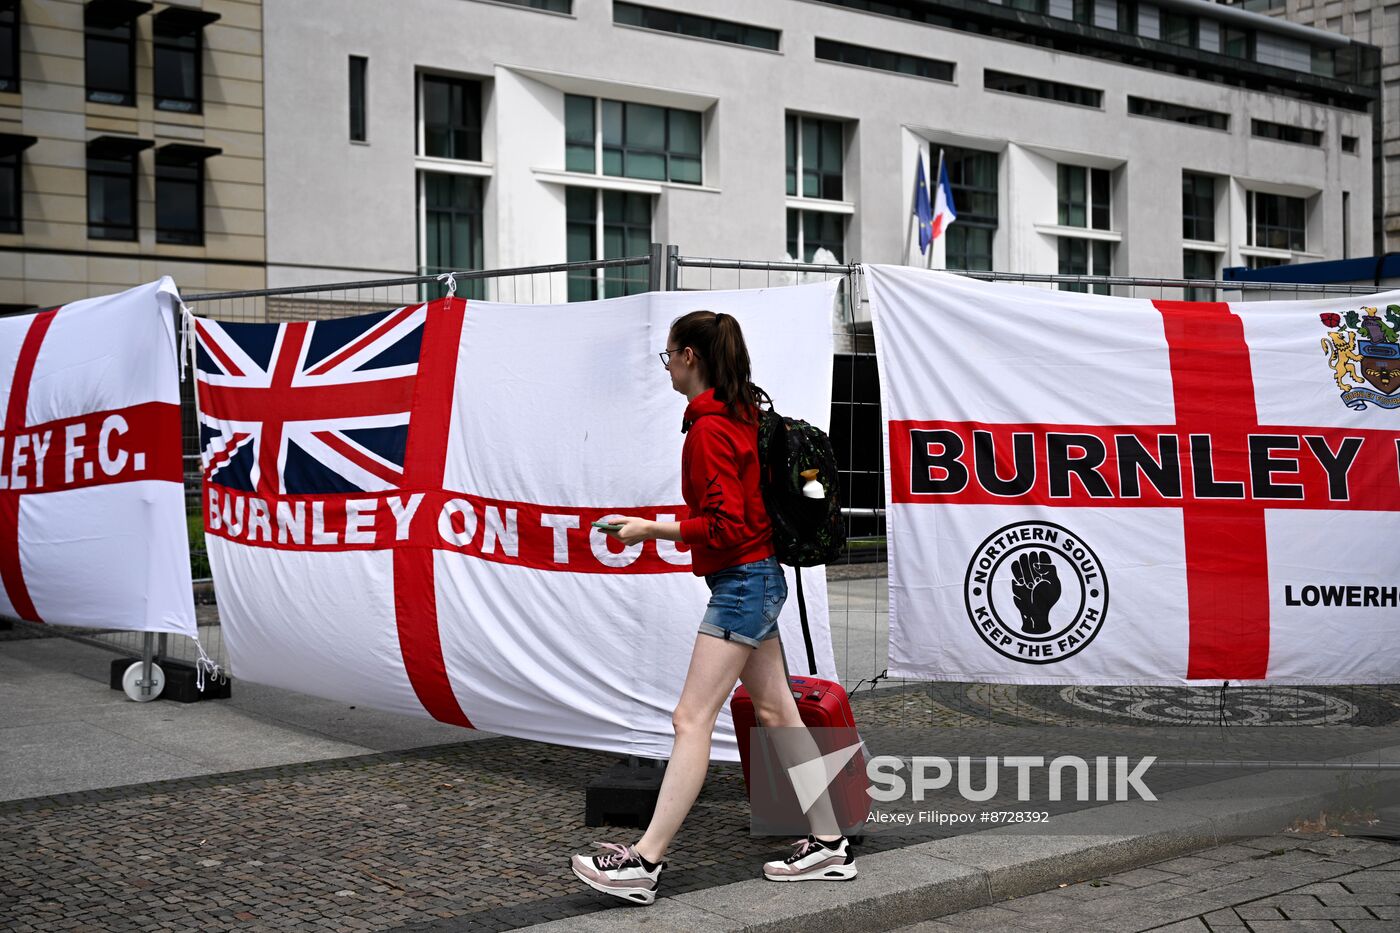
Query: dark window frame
(796,133)
(13,165)
(600,227)
(1193,266)
(167,179)
(1230,34)
(359,98)
(1283,132)
(103,230)
(96,35)
(805,234)
(968,196)
(474,214)
(1191,23)
(1178,113)
(606,112)
(1042,88)
(1266,232)
(1095,254)
(694,26)
(176,43)
(900,63)
(10,78)
(464,122)
(1198,207)
(1096,206)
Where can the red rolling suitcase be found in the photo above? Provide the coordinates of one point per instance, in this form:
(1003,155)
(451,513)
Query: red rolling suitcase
(822,704)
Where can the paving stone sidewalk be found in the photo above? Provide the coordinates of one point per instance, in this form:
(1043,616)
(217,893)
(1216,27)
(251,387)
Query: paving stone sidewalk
(1272,884)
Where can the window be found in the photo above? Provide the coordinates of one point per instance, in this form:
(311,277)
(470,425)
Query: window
(110,50)
(1082,11)
(1030,6)
(359,68)
(1198,264)
(1276,221)
(1236,42)
(176,59)
(1264,262)
(1178,113)
(1038,87)
(809,231)
(881,60)
(1085,257)
(621,221)
(973,176)
(11,194)
(179,201)
(815,154)
(1179,28)
(1127,17)
(452,227)
(1084,198)
(9,46)
(1197,207)
(638,140)
(701,27)
(1263,129)
(553,6)
(451,109)
(1349,144)
(111,191)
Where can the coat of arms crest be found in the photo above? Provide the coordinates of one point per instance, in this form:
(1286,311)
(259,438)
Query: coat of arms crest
(1363,349)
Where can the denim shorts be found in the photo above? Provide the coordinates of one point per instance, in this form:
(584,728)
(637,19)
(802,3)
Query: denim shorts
(745,601)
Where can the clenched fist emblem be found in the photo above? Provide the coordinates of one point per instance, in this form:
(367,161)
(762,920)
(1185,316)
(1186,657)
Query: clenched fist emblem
(1035,588)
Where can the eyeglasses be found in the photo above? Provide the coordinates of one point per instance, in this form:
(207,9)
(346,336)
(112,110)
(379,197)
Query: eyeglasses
(666,356)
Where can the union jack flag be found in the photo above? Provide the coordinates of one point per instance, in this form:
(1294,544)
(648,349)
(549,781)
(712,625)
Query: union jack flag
(308,407)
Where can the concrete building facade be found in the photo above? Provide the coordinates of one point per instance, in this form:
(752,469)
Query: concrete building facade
(1377,24)
(1090,136)
(131,146)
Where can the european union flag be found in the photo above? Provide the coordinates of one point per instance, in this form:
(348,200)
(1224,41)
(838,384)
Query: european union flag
(923,208)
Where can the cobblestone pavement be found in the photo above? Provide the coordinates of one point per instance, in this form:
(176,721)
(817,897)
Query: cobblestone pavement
(474,836)
(1271,884)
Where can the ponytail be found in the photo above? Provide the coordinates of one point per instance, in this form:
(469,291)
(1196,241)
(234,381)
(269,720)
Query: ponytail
(718,342)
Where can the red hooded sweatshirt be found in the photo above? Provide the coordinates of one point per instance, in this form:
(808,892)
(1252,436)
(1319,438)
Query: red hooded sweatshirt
(728,524)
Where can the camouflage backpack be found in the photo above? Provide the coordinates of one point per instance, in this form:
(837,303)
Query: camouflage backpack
(806,531)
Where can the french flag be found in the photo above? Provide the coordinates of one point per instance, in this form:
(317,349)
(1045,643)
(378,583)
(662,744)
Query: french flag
(944,213)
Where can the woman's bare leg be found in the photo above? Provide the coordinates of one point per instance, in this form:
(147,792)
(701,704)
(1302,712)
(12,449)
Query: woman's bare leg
(714,668)
(766,681)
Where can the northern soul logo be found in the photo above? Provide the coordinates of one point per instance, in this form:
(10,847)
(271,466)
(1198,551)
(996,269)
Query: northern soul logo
(1035,592)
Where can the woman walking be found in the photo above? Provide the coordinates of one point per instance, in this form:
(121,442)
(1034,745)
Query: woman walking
(730,542)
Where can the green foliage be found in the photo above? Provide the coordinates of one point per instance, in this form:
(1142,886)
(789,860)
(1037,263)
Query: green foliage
(1353,320)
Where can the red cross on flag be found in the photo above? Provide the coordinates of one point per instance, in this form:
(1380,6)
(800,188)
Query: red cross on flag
(399,507)
(1100,490)
(92,504)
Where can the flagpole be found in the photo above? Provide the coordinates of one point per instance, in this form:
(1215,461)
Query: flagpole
(913,203)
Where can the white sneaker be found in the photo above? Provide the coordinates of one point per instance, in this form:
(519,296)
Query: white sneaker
(618,872)
(814,860)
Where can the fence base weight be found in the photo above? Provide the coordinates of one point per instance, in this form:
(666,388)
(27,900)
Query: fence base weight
(625,794)
(179,682)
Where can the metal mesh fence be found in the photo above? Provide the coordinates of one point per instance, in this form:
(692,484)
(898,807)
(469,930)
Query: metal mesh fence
(858,583)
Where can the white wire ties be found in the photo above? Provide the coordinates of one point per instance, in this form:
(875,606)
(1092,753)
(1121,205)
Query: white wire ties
(206,666)
(450,278)
(186,337)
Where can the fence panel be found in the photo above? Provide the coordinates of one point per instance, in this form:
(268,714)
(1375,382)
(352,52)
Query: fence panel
(858,585)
